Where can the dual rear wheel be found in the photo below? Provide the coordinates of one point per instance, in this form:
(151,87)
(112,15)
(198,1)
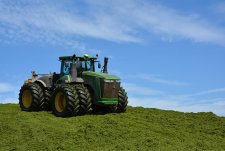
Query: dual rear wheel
(70,100)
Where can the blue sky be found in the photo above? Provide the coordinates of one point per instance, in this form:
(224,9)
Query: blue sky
(169,54)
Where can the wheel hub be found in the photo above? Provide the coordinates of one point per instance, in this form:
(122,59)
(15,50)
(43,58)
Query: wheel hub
(60,102)
(27,98)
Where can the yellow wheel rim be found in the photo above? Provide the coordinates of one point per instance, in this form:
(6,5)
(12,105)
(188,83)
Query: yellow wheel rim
(60,102)
(27,98)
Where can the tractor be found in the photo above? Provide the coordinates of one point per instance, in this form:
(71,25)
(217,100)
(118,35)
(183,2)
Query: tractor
(77,90)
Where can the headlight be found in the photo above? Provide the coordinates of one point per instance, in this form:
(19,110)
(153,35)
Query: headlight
(108,80)
(111,80)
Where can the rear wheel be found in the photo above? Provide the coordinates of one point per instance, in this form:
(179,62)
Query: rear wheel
(122,101)
(31,97)
(64,101)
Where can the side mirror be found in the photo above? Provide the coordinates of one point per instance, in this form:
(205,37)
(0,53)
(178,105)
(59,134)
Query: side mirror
(99,65)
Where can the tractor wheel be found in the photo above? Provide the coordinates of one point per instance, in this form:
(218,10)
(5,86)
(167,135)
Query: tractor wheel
(64,101)
(84,99)
(76,101)
(89,101)
(31,97)
(47,100)
(122,101)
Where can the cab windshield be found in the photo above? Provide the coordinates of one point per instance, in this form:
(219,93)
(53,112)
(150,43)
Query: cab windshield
(81,66)
(66,67)
(87,66)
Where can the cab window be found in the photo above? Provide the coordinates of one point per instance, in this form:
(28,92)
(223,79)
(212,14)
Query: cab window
(67,67)
(86,66)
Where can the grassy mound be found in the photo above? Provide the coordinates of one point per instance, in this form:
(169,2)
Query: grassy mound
(137,129)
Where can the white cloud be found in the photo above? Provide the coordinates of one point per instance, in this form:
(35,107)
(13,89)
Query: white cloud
(9,100)
(140,90)
(30,22)
(65,22)
(5,87)
(157,79)
(152,102)
(215,105)
(8,93)
(217,90)
(49,22)
(184,103)
(159,19)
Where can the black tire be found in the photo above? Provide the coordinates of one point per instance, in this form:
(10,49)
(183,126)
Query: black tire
(64,101)
(31,97)
(84,99)
(89,100)
(122,101)
(47,100)
(76,102)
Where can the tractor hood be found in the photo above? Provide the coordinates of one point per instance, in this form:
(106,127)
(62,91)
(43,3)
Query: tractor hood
(101,75)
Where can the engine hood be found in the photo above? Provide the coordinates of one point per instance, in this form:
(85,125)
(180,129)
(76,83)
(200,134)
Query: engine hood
(101,75)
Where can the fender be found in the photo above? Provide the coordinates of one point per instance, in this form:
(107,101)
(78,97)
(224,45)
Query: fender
(41,82)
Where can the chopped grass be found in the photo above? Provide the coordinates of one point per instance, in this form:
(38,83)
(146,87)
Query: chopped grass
(137,129)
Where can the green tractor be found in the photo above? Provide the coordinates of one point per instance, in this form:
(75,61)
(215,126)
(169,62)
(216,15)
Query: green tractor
(76,90)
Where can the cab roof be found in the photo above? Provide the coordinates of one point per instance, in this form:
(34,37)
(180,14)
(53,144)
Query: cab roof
(63,58)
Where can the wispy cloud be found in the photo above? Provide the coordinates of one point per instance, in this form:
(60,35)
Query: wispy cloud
(5,100)
(8,93)
(46,21)
(35,21)
(140,90)
(66,22)
(154,18)
(157,79)
(215,105)
(5,87)
(208,102)
(217,90)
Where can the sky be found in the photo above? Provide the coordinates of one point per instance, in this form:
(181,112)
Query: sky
(169,54)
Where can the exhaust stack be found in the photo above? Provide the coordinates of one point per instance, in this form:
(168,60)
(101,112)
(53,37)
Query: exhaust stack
(74,70)
(105,67)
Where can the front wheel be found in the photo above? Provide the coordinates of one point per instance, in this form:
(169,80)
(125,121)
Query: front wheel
(84,99)
(64,101)
(122,101)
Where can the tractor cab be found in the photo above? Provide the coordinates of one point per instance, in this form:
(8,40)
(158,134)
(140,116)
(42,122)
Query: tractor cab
(72,67)
(80,63)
